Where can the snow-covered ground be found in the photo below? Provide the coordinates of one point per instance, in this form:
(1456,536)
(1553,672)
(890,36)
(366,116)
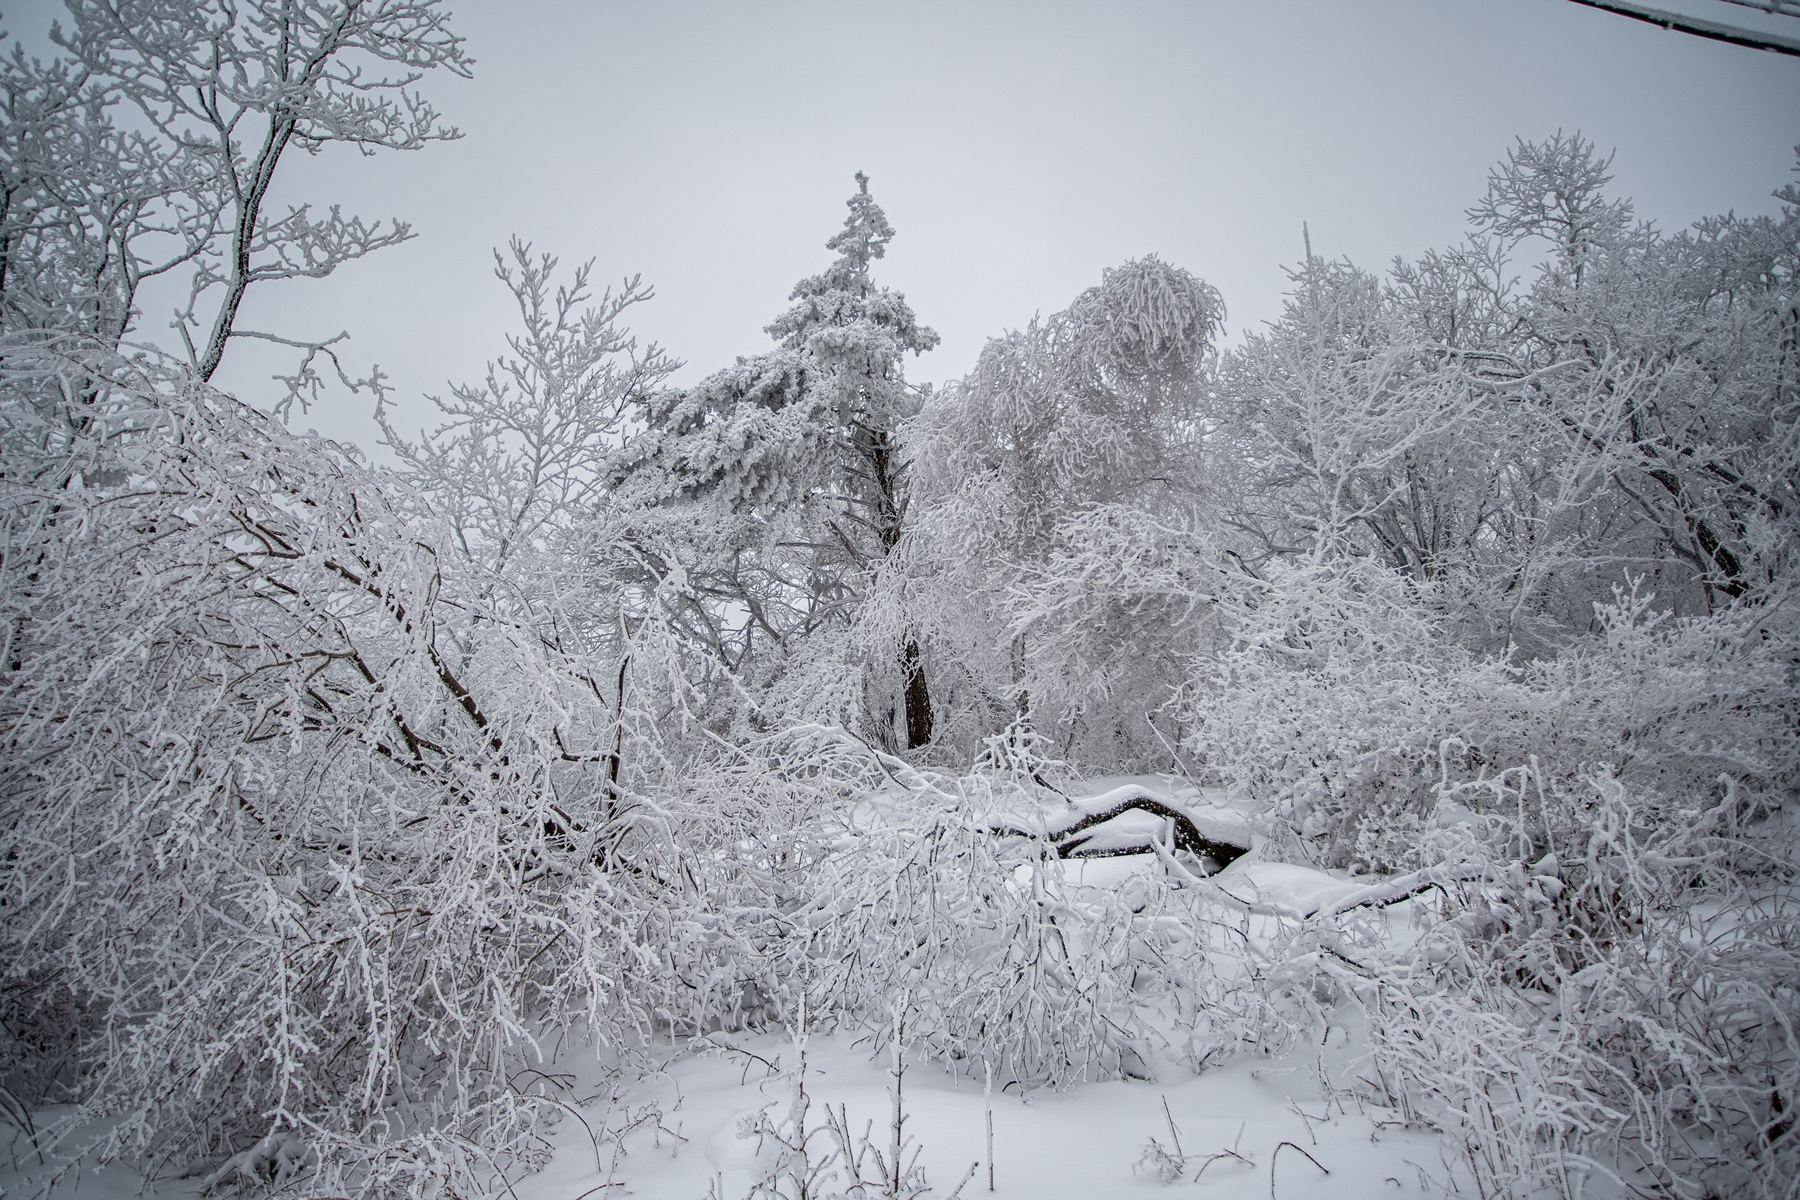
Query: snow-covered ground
(1091,1140)
(1084,1142)
(692,1139)
(1295,1126)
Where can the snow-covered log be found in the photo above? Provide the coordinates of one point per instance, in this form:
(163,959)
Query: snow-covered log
(1133,820)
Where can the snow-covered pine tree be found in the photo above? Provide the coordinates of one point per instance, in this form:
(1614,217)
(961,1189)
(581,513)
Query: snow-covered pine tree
(776,486)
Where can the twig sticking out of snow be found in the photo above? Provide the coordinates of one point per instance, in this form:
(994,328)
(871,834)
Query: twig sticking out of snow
(1171,1165)
(1277,1154)
(1229,1152)
(16,1113)
(987,1104)
(1173,1135)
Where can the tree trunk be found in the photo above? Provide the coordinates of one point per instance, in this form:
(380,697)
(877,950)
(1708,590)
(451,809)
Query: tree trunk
(918,697)
(1021,697)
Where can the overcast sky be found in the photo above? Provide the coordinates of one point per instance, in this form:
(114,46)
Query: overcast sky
(1018,149)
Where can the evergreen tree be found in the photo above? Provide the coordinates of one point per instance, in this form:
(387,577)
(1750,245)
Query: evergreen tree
(776,486)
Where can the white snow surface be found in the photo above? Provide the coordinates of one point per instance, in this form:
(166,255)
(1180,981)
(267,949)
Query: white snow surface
(1087,1141)
(1286,886)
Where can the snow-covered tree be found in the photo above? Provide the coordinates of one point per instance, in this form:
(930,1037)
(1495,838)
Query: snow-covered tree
(1518,450)
(517,470)
(1443,480)
(1668,360)
(522,456)
(274,847)
(152,144)
(1090,410)
(88,211)
(776,487)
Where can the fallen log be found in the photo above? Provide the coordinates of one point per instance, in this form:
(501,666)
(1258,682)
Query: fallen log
(1077,833)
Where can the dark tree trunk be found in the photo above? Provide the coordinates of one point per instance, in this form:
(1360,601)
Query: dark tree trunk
(918,698)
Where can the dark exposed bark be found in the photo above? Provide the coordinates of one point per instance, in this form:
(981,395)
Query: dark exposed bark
(1071,840)
(1072,837)
(918,698)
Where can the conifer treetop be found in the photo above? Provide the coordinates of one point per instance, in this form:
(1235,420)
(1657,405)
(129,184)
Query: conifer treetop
(866,231)
(843,295)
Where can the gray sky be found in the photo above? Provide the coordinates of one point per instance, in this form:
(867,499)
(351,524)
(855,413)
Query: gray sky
(1018,148)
